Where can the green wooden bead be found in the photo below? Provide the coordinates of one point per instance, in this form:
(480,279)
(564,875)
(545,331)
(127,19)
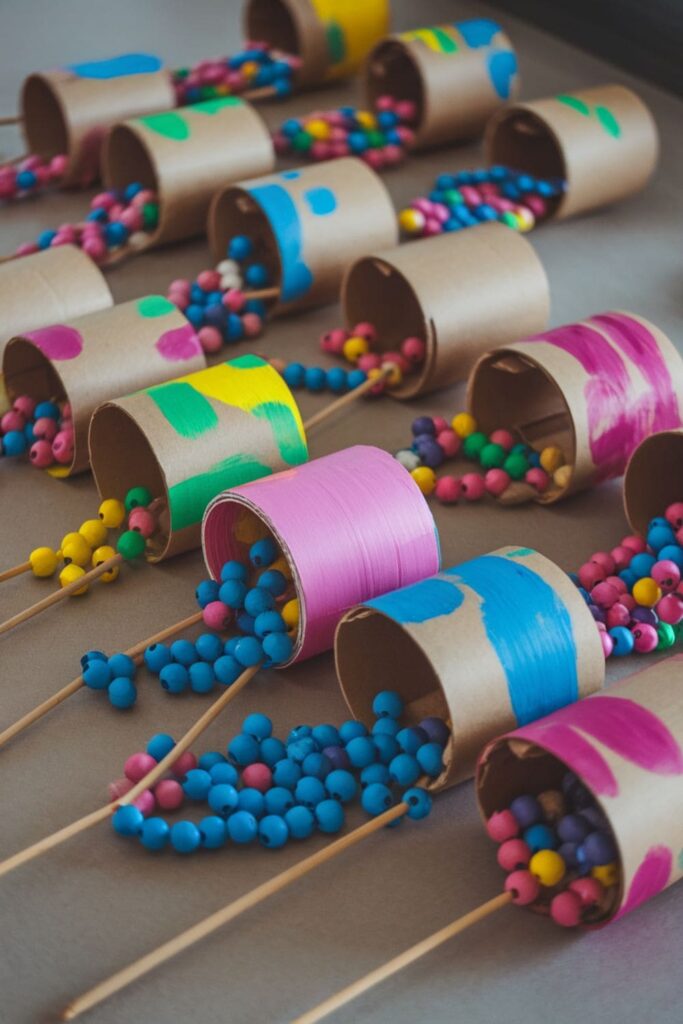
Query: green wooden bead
(667,636)
(150,216)
(492,456)
(131,545)
(516,465)
(136,497)
(474,445)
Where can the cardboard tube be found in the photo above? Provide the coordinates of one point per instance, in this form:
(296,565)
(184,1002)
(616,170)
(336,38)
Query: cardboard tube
(458,76)
(308,225)
(69,110)
(195,436)
(595,389)
(457,291)
(345,497)
(100,356)
(48,286)
(602,142)
(186,156)
(626,747)
(331,37)
(489,644)
(654,478)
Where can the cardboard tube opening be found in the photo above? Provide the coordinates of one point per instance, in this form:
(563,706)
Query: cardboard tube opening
(45,124)
(391,70)
(127,160)
(271,21)
(130,462)
(234,212)
(523,141)
(507,390)
(654,478)
(28,371)
(375,291)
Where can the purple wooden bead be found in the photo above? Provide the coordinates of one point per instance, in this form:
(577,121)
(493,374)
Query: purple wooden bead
(573,828)
(338,757)
(527,810)
(436,729)
(645,615)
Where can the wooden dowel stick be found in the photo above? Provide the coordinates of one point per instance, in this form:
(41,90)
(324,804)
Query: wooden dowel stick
(351,396)
(134,652)
(9,574)
(263,293)
(59,595)
(13,119)
(387,970)
(222,917)
(264,92)
(69,831)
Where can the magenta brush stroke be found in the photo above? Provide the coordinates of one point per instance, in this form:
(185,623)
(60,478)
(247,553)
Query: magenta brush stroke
(650,879)
(179,344)
(574,750)
(58,342)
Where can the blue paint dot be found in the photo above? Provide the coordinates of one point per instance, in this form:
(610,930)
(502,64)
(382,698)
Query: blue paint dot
(420,602)
(290,175)
(502,69)
(478,31)
(117,67)
(321,201)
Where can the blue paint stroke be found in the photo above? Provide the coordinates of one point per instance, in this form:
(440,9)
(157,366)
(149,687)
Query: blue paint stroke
(478,31)
(118,67)
(502,70)
(279,208)
(419,602)
(321,201)
(290,175)
(530,630)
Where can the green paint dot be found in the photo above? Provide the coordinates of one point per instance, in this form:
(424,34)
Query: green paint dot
(336,44)
(170,124)
(608,121)
(189,413)
(286,433)
(215,105)
(155,305)
(189,498)
(247,362)
(575,104)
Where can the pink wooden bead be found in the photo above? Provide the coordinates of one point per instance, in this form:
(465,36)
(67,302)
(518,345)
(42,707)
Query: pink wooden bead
(398,360)
(146,802)
(470,195)
(41,454)
(406,109)
(58,165)
(169,794)
(27,249)
(209,280)
(184,764)
(234,300)
(617,582)
(118,788)
(432,227)
(422,204)
(448,489)
(628,600)
(537,478)
(258,776)
(102,201)
(393,154)
(604,559)
(95,249)
(667,574)
(645,638)
(670,609)
(524,887)
(440,424)
(181,284)
(504,438)
(473,487)
(384,103)
(142,521)
(132,218)
(12,420)
(217,615)
(679,536)
(674,514)
(590,574)
(333,341)
(138,765)
(210,338)
(497,481)
(63,447)
(24,404)
(618,615)
(588,890)
(513,854)
(606,641)
(414,350)
(322,150)
(45,428)
(449,441)
(604,594)
(369,361)
(565,909)
(502,825)
(252,324)
(373,158)
(635,543)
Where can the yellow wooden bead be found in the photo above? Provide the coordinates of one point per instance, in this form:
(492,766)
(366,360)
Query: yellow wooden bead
(282,565)
(354,348)
(318,129)
(525,219)
(395,378)
(112,513)
(103,554)
(366,119)
(646,592)
(44,562)
(69,574)
(94,532)
(250,69)
(562,476)
(290,613)
(249,528)
(425,478)
(548,867)
(464,424)
(76,549)
(551,458)
(606,874)
(411,221)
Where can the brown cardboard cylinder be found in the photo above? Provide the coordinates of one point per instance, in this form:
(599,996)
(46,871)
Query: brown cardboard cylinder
(458,292)
(186,156)
(448,78)
(100,356)
(595,389)
(654,478)
(602,142)
(308,225)
(435,644)
(331,37)
(49,286)
(66,112)
(626,747)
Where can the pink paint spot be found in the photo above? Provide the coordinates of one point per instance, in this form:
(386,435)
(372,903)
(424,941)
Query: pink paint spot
(179,345)
(574,750)
(651,877)
(57,342)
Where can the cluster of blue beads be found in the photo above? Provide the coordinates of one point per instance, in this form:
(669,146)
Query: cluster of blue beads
(315,773)
(115,674)
(315,379)
(207,308)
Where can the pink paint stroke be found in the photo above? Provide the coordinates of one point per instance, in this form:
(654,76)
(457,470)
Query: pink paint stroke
(575,751)
(179,345)
(57,342)
(650,879)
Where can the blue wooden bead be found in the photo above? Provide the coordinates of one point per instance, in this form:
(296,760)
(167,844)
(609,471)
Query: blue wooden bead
(376,799)
(299,732)
(341,785)
(245,623)
(316,764)
(14,443)
(234,570)
(256,276)
(430,759)
(404,769)
(154,833)
(197,784)
(211,758)
(242,827)
(48,409)
(597,849)
(122,693)
(540,837)
(350,730)
(337,380)
(386,727)
(263,552)
(287,773)
(624,641)
(273,832)
(329,814)
(274,581)
(184,652)
(252,800)
(387,704)
(641,564)
(300,749)
(419,802)
(227,670)
(672,553)
(325,735)
(387,747)
(278,800)
(315,378)
(157,656)
(375,773)
(269,622)
(300,822)
(202,677)
(122,665)
(240,248)
(436,729)
(174,678)
(361,751)
(258,600)
(90,656)
(294,375)
(97,675)
(127,820)
(248,651)
(212,832)
(272,751)
(309,791)
(258,726)
(185,837)
(224,773)
(573,828)
(209,647)
(278,647)
(223,799)
(243,750)
(355,378)
(411,739)
(206,592)
(660,535)
(233,593)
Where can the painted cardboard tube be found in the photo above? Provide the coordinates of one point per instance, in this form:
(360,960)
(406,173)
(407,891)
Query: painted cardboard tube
(308,225)
(654,478)
(346,496)
(626,747)
(186,156)
(97,357)
(69,110)
(47,287)
(330,37)
(193,437)
(602,142)
(596,389)
(457,292)
(457,75)
(466,645)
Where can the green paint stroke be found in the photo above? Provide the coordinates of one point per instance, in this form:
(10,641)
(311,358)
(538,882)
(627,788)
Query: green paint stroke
(286,433)
(575,104)
(336,44)
(155,305)
(247,362)
(446,40)
(217,104)
(189,498)
(608,121)
(189,413)
(170,124)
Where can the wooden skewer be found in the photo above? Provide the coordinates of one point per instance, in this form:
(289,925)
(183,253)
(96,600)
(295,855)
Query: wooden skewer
(263,293)
(264,92)
(56,699)
(351,396)
(60,595)
(69,831)
(13,119)
(228,913)
(409,956)
(9,574)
